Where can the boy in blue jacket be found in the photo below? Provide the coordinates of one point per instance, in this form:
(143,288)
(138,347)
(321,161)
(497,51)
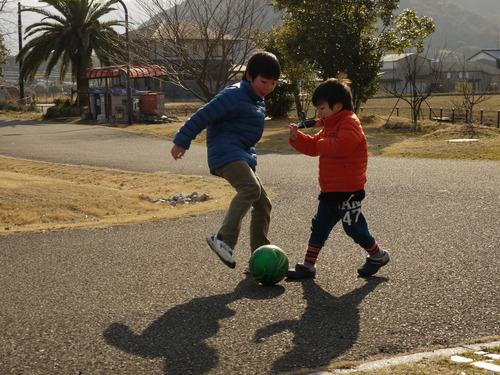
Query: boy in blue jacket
(234,120)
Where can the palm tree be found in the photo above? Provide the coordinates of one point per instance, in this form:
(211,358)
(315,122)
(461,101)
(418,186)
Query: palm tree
(69,38)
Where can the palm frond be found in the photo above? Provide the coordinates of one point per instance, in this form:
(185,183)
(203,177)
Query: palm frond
(69,36)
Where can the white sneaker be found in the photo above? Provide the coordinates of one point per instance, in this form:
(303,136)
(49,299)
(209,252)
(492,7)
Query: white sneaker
(223,251)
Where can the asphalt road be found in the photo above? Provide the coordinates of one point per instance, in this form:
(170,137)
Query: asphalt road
(153,299)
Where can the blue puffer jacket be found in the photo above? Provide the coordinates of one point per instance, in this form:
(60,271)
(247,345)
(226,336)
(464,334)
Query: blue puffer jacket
(234,120)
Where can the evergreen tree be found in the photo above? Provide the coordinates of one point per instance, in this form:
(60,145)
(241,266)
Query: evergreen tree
(348,37)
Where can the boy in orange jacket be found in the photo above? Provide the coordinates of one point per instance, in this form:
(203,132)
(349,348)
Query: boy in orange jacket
(343,158)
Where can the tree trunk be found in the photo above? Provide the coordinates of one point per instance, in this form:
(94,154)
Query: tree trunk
(298,102)
(82,88)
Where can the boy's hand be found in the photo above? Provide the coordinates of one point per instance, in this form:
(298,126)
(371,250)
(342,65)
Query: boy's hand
(294,129)
(178,152)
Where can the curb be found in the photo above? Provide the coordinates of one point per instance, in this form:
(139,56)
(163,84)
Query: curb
(410,358)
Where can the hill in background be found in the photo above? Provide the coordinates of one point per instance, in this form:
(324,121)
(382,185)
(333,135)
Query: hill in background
(487,8)
(468,25)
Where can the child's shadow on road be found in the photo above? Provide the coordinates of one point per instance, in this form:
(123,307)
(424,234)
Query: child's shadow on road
(179,335)
(328,327)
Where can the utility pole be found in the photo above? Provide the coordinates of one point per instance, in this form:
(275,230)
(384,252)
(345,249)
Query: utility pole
(130,110)
(130,104)
(20,35)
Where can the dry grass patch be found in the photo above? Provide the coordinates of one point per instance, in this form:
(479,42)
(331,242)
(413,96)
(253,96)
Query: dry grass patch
(434,142)
(392,138)
(20,115)
(163,131)
(46,196)
(395,139)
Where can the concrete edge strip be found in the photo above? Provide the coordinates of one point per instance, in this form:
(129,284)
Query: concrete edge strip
(410,358)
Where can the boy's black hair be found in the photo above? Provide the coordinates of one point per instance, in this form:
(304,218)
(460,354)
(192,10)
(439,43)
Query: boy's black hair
(333,91)
(264,63)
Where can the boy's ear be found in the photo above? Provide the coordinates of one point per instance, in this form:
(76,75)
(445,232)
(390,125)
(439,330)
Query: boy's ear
(248,77)
(338,107)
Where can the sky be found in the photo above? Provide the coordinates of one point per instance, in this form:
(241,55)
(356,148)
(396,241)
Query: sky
(9,19)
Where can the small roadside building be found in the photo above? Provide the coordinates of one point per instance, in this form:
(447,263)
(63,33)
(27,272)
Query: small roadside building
(9,93)
(400,73)
(397,69)
(487,56)
(480,75)
(108,93)
(187,49)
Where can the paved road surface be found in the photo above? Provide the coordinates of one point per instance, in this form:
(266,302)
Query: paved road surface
(153,299)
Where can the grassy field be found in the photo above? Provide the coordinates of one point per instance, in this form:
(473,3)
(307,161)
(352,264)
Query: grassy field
(45,196)
(435,101)
(391,138)
(436,106)
(385,106)
(42,196)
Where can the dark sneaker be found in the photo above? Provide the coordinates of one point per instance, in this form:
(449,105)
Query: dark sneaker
(372,265)
(223,251)
(301,272)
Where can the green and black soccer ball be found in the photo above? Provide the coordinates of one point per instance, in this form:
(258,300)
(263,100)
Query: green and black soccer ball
(268,265)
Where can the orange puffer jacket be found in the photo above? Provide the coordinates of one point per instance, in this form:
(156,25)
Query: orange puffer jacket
(342,149)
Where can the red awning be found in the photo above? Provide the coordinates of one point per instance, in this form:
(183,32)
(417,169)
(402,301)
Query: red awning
(136,71)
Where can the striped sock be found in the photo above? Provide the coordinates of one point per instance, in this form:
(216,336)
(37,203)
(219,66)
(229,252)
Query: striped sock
(312,253)
(375,251)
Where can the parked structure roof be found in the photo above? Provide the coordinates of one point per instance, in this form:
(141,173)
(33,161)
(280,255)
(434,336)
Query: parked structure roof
(493,53)
(392,57)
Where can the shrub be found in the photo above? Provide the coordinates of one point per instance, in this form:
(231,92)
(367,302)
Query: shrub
(280,102)
(7,105)
(61,103)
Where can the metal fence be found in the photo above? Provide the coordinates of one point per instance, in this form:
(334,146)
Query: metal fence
(453,115)
(49,97)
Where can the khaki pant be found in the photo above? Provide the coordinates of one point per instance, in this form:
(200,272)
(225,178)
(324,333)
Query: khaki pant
(250,193)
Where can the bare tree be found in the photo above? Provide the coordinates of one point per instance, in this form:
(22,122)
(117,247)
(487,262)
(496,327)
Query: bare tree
(469,95)
(203,44)
(2,5)
(414,79)
(7,19)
